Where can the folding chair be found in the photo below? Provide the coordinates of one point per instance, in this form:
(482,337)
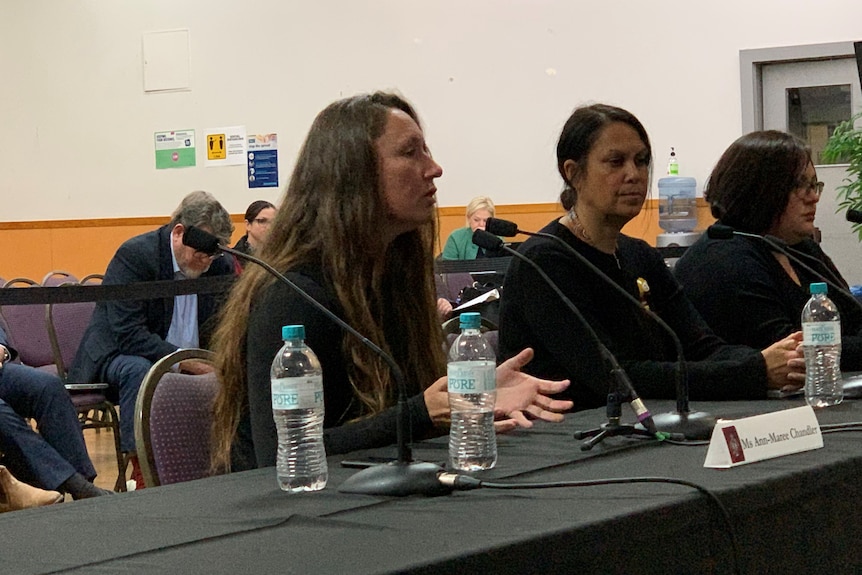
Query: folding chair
(173,420)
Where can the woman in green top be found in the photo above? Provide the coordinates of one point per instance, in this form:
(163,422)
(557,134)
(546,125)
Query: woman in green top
(459,245)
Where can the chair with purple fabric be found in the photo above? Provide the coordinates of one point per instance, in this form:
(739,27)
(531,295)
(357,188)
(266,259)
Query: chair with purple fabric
(66,323)
(173,420)
(58,277)
(27,332)
(449,285)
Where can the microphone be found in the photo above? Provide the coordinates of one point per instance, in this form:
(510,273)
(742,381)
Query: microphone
(719,232)
(854,216)
(692,424)
(401,477)
(500,227)
(488,240)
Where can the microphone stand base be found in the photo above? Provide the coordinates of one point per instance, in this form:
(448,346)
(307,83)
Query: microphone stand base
(397,479)
(613,428)
(691,424)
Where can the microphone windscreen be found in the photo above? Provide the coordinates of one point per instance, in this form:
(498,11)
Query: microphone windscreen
(854,216)
(487,240)
(200,240)
(719,232)
(500,227)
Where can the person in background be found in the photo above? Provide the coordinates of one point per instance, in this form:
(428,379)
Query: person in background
(125,338)
(459,244)
(356,230)
(604,158)
(765,184)
(258,217)
(55,459)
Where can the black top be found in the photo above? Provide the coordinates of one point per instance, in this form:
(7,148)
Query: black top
(531,314)
(243,246)
(280,306)
(745,295)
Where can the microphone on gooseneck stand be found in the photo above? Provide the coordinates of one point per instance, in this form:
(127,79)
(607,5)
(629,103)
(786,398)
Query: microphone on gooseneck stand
(488,240)
(692,424)
(401,477)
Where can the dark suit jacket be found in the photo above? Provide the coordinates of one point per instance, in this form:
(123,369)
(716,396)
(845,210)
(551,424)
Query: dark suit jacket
(139,327)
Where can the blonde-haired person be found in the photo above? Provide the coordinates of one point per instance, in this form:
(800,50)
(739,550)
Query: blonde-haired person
(459,245)
(356,225)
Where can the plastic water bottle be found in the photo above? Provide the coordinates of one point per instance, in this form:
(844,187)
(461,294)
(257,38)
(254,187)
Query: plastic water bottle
(472,377)
(297,407)
(821,341)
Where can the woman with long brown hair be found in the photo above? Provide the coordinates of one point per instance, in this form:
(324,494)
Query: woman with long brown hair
(355,229)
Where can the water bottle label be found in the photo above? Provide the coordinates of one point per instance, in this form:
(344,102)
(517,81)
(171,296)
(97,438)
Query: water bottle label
(821,333)
(297,392)
(472,377)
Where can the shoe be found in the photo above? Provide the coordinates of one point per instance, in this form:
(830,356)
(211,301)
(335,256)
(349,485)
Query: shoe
(15,495)
(137,475)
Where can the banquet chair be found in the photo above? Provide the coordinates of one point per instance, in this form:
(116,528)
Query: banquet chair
(58,277)
(92,279)
(449,285)
(27,332)
(19,282)
(29,328)
(173,419)
(66,323)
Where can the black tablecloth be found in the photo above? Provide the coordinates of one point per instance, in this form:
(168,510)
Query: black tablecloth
(794,514)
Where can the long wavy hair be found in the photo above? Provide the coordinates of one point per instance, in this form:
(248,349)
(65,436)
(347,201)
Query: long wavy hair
(331,215)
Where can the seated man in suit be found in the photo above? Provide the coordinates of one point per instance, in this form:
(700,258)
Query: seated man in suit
(55,459)
(125,338)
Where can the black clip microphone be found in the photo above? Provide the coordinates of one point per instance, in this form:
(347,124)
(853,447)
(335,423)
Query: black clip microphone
(401,477)
(692,424)
(489,240)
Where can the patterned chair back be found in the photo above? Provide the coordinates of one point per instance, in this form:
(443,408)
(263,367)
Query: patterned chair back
(173,420)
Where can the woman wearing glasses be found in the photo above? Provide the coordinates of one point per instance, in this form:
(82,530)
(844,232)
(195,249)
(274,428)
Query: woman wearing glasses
(257,219)
(749,293)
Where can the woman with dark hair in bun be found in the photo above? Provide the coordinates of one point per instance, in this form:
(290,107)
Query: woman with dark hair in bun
(604,158)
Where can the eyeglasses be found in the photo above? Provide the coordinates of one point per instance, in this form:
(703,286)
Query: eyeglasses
(262,221)
(804,188)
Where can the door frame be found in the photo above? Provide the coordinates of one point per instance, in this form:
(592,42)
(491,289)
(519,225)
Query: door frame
(752,61)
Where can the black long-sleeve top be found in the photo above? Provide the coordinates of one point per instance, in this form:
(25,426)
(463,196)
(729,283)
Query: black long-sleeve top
(531,314)
(257,441)
(746,296)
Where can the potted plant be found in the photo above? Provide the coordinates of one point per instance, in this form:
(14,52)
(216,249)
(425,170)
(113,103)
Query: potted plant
(845,146)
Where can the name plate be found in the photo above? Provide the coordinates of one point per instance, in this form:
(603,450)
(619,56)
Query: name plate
(739,441)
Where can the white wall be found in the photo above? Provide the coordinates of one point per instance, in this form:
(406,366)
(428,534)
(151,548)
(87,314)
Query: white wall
(78,129)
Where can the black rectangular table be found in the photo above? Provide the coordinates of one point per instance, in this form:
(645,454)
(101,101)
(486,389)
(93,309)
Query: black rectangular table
(794,514)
